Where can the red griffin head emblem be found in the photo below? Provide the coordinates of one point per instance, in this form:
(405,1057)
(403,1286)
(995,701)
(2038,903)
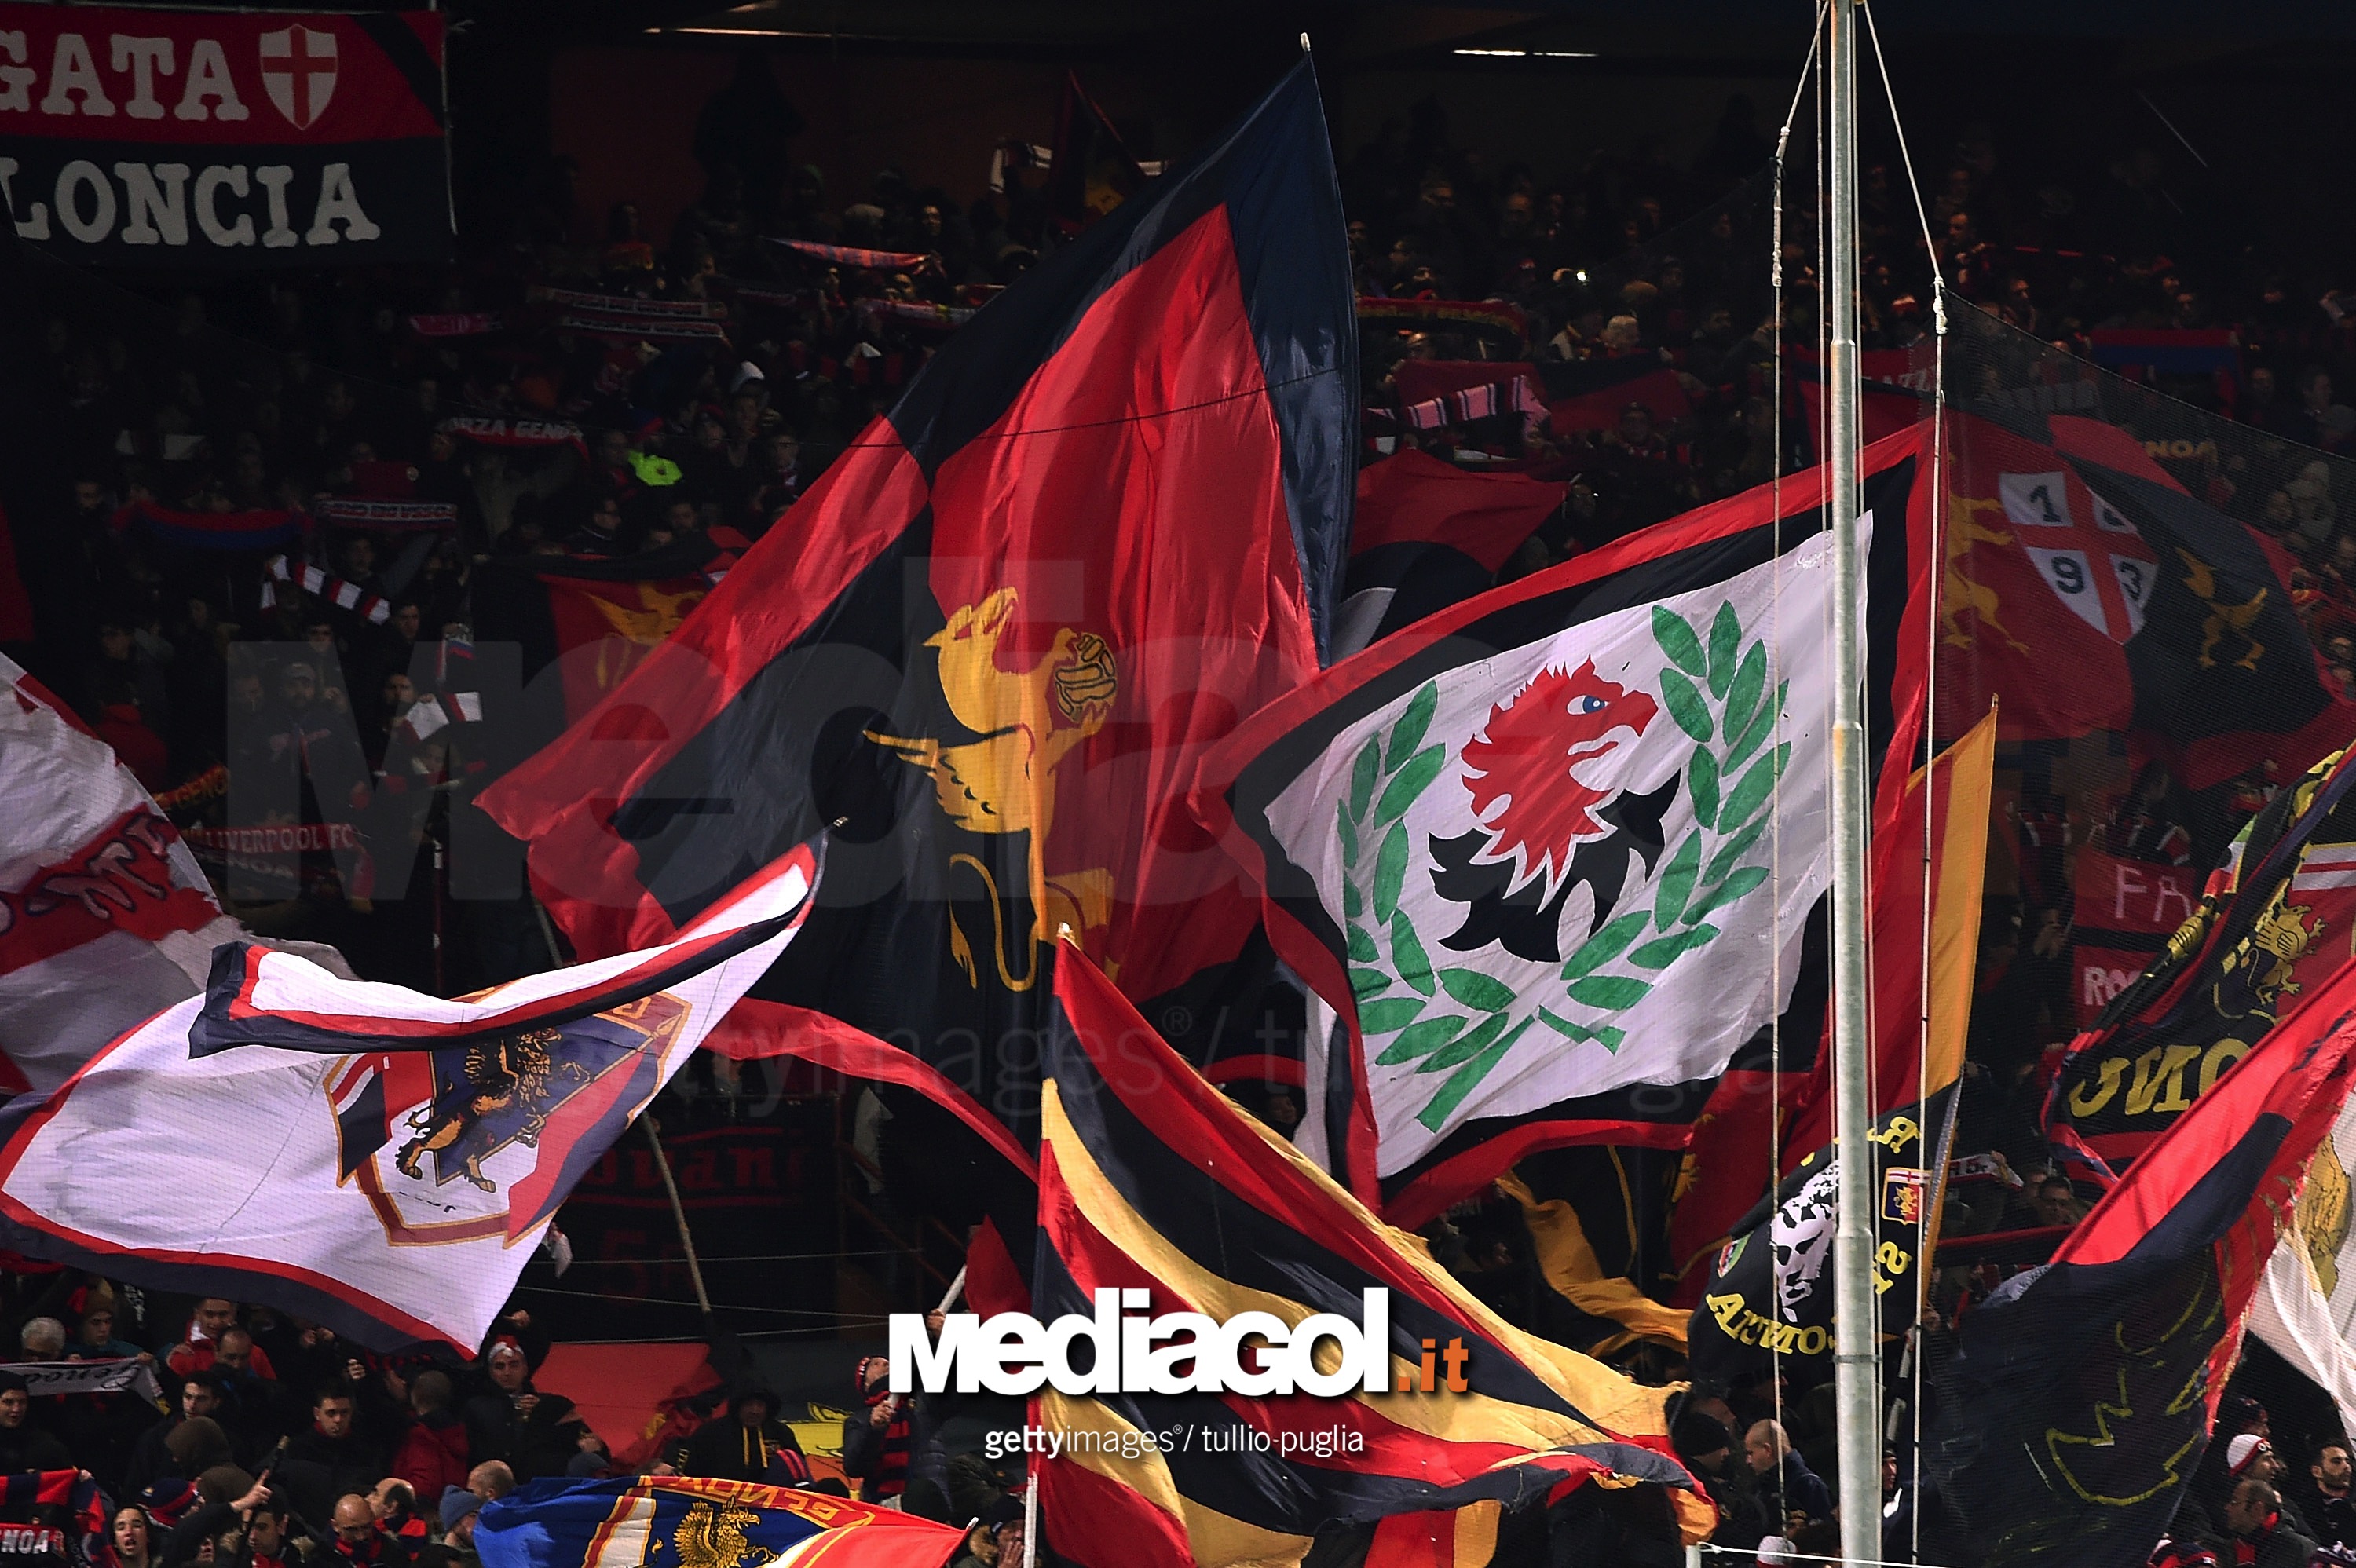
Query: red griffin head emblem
(1521,767)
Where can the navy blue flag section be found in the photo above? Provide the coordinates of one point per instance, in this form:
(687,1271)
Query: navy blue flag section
(2081,1397)
(390,1173)
(688,1522)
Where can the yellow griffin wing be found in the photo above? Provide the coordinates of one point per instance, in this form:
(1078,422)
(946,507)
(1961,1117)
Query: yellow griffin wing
(658,618)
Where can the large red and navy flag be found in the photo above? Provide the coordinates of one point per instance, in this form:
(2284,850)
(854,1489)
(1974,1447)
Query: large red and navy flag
(1151,1181)
(987,648)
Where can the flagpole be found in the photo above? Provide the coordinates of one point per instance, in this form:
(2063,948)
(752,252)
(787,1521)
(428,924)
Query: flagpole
(1856,1342)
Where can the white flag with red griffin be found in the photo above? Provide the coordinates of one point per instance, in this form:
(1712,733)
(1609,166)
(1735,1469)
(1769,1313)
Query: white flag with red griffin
(104,918)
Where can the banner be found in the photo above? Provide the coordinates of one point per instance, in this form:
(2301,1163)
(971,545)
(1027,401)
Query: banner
(215,139)
(2126,910)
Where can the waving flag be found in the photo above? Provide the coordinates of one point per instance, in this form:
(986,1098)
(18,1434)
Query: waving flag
(1551,854)
(1427,534)
(989,646)
(2264,931)
(104,917)
(2067,547)
(1151,1181)
(416,1147)
(2081,1396)
(688,1522)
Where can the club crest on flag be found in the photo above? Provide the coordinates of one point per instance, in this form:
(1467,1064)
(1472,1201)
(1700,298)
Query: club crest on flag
(1533,848)
(482,1139)
(1020,726)
(1901,1194)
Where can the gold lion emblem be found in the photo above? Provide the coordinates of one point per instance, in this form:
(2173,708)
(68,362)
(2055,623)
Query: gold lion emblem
(2321,1215)
(712,1536)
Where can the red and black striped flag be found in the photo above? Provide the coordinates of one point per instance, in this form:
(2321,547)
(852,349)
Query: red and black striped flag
(2078,1406)
(987,648)
(1149,1181)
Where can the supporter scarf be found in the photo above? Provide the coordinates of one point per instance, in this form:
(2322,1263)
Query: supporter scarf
(112,1375)
(515,432)
(916,311)
(388,517)
(631,326)
(257,528)
(457,323)
(628,305)
(853,256)
(344,595)
(890,1476)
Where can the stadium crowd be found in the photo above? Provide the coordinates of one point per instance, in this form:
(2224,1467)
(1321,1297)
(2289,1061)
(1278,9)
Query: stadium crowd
(578,387)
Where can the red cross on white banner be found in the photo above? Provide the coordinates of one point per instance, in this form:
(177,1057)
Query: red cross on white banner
(298,71)
(2089,555)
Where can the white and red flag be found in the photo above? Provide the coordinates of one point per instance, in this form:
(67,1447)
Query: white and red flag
(104,918)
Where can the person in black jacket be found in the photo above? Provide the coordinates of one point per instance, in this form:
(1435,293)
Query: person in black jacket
(330,1460)
(748,1444)
(2330,1508)
(536,1433)
(23,1446)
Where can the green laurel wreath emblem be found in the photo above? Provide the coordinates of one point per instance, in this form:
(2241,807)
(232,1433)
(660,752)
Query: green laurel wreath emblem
(1462,1022)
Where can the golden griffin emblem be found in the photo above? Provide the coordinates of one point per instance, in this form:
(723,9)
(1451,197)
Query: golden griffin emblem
(1962,594)
(1028,722)
(2282,936)
(712,1536)
(2320,1213)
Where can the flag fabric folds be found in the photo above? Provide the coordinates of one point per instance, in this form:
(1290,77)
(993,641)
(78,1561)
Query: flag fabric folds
(2080,1396)
(987,646)
(1149,1181)
(1535,850)
(597,620)
(73,1500)
(105,918)
(1769,1290)
(2254,943)
(416,1148)
(2067,545)
(1427,534)
(1090,172)
(2305,1309)
(688,1522)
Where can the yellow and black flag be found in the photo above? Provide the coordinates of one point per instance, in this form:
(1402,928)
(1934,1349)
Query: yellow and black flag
(1149,1181)
(1770,1288)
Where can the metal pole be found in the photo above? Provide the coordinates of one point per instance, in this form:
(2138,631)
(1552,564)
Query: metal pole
(1856,1338)
(678,1217)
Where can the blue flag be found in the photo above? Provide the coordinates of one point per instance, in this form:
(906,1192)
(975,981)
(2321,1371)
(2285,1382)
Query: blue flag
(686,1522)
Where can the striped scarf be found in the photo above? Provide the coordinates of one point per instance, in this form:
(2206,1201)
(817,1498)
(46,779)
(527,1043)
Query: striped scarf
(889,1478)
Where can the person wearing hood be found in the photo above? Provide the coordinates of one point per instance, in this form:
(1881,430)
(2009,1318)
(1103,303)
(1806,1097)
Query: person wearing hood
(23,1446)
(749,1443)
